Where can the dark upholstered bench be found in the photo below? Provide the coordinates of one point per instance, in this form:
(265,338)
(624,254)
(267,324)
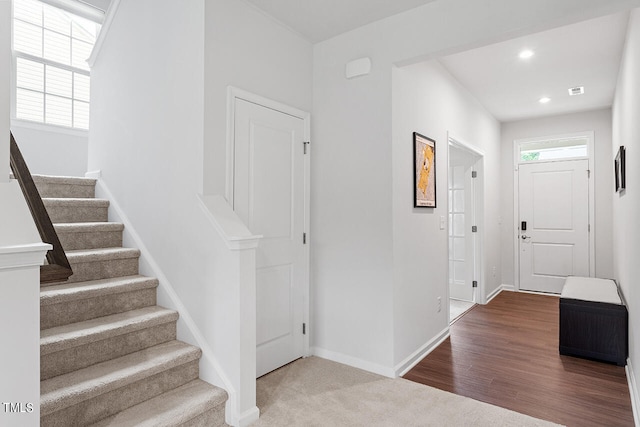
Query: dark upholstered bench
(593,320)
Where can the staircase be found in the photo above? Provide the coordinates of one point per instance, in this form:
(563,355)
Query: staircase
(108,354)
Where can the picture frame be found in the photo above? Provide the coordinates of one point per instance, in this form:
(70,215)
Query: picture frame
(424,171)
(619,169)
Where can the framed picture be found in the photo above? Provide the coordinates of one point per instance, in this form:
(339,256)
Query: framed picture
(424,171)
(619,168)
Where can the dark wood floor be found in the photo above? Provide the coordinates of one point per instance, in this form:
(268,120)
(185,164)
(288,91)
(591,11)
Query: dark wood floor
(506,353)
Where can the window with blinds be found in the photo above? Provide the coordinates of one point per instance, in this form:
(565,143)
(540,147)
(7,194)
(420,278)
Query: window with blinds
(52,76)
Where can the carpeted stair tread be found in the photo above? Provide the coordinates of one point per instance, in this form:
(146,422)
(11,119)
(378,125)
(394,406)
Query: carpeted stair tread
(172,408)
(72,209)
(87,227)
(89,235)
(81,333)
(70,389)
(64,186)
(94,288)
(101,254)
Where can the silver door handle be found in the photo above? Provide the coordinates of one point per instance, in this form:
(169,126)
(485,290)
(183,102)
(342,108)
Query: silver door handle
(525,237)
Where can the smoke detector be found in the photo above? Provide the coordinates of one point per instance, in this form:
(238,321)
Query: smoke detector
(578,90)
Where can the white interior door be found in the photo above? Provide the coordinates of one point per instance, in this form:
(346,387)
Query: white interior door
(462,210)
(269,195)
(554,203)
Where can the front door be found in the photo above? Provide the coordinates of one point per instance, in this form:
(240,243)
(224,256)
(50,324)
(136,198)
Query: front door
(554,223)
(269,195)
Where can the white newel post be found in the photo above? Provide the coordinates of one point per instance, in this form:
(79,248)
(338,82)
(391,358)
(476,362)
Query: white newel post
(21,254)
(238,260)
(245,401)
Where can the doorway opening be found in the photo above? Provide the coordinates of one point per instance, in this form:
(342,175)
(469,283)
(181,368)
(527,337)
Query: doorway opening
(465,227)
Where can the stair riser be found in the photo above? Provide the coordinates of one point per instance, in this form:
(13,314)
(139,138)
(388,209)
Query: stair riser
(211,418)
(91,308)
(90,240)
(103,269)
(74,214)
(107,404)
(66,190)
(79,357)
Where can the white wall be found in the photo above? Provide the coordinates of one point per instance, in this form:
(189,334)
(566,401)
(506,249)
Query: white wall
(426,99)
(626,205)
(598,121)
(159,85)
(147,88)
(352,254)
(51,151)
(247,49)
(5,87)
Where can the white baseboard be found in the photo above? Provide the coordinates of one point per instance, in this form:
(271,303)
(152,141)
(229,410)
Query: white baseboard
(406,365)
(497,291)
(353,362)
(188,331)
(245,419)
(633,391)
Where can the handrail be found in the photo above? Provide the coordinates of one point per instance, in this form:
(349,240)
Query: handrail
(58,268)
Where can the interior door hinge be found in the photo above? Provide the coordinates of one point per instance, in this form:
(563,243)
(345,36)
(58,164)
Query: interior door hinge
(474,229)
(474,284)
(304,329)
(474,174)
(589,228)
(305,144)
(588,173)
(304,238)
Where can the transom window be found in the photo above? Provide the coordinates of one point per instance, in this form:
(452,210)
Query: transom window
(51,46)
(554,149)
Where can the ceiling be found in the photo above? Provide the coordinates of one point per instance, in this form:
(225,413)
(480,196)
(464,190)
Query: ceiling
(584,54)
(320,20)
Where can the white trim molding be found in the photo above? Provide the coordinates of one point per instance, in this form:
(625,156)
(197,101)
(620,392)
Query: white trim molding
(230,227)
(633,392)
(406,365)
(104,31)
(497,291)
(354,362)
(23,256)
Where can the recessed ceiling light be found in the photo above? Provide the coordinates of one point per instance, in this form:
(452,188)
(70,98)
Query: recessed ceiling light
(578,90)
(544,100)
(526,54)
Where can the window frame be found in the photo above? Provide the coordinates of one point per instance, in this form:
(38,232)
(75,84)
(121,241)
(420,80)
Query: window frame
(43,125)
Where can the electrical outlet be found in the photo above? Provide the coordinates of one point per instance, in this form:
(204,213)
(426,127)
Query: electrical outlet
(439,304)
(494,271)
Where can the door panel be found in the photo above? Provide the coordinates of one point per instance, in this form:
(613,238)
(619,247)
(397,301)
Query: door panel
(269,196)
(554,202)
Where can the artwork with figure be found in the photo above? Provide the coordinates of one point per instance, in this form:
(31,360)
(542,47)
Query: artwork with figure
(424,171)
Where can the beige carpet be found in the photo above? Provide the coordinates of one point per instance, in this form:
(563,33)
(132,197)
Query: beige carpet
(318,392)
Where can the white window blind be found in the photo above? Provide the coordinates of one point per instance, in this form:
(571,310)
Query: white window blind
(52,77)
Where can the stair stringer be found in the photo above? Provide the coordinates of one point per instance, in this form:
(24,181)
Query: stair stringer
(211,369)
